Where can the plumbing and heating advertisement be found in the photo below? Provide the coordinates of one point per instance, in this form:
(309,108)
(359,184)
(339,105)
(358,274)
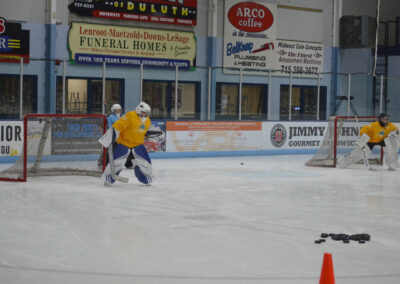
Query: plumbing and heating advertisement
(249,35)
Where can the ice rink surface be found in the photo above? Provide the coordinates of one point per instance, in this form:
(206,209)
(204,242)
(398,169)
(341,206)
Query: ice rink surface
(204,220)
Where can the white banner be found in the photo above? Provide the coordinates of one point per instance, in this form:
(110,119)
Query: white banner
(11,138)
(303,59)
(293,135)
(249,35)
(196,136)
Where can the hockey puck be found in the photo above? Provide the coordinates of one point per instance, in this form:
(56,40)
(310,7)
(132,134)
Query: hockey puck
(324,235)
(242,163)
(346,241)
(356,237)
(361,242)
(322,240)
(317,241)
(365,237)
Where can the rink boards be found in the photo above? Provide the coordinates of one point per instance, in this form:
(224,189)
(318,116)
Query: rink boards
(210,138)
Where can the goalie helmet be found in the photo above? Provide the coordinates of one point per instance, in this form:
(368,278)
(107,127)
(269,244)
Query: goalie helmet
(143,109)
(383,119)
(115,107)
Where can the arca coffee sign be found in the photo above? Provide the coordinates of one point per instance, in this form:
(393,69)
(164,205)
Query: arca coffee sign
(250,17)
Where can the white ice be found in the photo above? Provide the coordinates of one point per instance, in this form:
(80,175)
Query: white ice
(204,220)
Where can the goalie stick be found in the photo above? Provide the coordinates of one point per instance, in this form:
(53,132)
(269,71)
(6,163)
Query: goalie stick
(367,164)
(111,161)
(107,141)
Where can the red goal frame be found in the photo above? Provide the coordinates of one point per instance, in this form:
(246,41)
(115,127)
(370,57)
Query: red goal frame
(25,142)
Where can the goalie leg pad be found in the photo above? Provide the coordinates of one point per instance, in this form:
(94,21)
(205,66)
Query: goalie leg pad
(142,177)
(120,155)
(360,143)
(391,152)
(353,157)
(142,164)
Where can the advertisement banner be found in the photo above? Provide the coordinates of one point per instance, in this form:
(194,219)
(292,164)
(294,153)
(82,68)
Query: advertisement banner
(307,135)
(249,35)
(14,42)
(126,46)
(303,59)
(72,136)
(293,135)
(177,12)
(195,136)
(11,138)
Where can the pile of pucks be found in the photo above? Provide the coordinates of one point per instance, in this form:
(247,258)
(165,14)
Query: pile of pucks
(360,238)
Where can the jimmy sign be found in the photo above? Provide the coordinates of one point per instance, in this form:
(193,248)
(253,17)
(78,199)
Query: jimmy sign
(249,35)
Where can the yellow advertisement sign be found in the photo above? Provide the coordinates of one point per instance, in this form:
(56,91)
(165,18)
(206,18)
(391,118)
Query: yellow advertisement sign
(127,46)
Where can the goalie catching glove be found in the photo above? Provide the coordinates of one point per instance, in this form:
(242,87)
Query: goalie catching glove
(155,134)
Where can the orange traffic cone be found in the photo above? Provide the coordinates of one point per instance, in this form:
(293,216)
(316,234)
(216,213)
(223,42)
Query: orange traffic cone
(327,275)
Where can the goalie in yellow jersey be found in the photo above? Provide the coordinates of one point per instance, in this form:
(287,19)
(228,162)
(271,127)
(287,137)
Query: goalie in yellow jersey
(381,132)
(129,132)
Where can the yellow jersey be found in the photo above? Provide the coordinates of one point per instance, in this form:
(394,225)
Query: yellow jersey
(376,132)
(131,129)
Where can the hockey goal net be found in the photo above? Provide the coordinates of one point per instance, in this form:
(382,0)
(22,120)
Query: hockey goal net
(341,134)
(55,144)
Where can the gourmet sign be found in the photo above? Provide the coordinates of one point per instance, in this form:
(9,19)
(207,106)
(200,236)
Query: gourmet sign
(95,44)
(180,12)
(249,35)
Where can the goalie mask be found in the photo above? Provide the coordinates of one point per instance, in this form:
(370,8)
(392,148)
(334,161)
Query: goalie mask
(383,119)
(143,109)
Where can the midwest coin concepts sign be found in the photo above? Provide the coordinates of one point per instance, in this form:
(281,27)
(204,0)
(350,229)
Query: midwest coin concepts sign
(249,35)
(127,46)
(302,59)
(179,12)
(14,42)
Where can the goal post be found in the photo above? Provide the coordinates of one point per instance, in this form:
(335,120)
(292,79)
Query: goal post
(58,144)
(341,134)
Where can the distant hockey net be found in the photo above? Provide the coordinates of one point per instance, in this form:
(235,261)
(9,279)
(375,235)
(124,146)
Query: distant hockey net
(340,136)
(56,145)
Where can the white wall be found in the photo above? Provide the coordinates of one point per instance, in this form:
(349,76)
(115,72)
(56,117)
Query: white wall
(30,11)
